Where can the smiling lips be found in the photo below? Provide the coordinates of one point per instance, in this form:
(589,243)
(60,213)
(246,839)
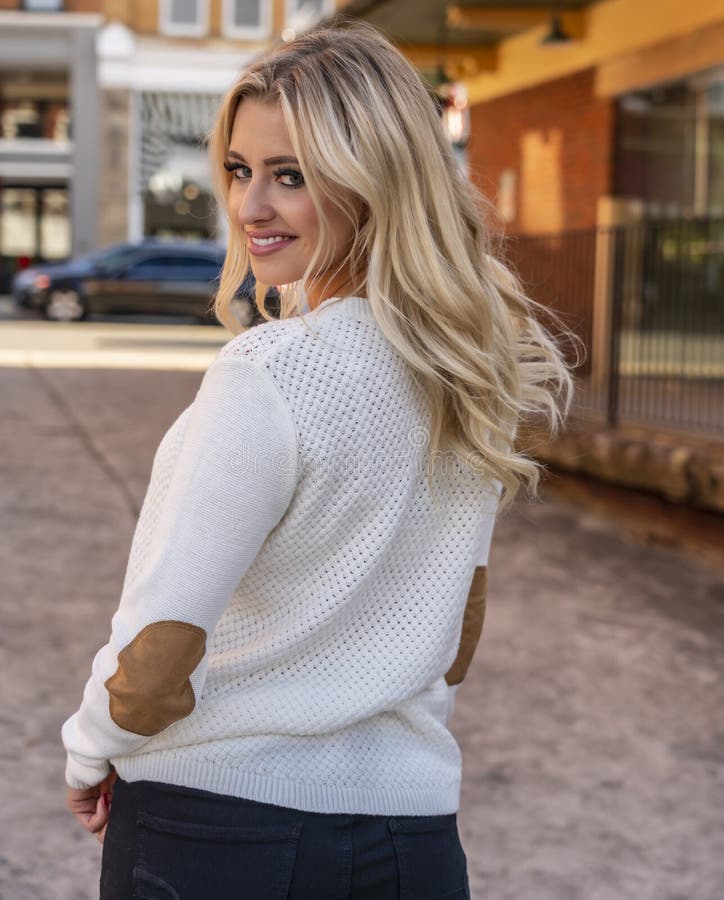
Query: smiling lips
(264,243)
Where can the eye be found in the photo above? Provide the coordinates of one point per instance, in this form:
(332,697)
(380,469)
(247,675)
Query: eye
(238,170)
(291,178)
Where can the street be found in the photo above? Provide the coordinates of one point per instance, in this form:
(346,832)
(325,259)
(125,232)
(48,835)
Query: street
(125,342)
(590,722)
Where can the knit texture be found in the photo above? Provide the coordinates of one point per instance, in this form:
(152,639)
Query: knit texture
(288,515)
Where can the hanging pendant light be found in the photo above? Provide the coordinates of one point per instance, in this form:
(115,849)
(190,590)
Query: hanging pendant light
(451,97)
(556,34)
(455,113)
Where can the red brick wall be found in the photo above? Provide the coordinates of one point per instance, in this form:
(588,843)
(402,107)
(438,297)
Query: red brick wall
(558,139)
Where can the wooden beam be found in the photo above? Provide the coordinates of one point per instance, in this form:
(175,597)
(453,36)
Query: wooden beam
(509,20)
(614,29)
(459,61)
(666,61)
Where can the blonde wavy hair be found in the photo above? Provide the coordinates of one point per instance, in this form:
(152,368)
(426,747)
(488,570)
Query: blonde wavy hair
(369,138)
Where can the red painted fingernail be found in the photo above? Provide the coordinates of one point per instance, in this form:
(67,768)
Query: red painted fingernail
(105,801)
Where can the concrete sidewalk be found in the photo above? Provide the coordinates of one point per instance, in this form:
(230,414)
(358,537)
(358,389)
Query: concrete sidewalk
(590,723)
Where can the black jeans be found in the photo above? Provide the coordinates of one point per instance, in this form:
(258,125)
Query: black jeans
(170,843)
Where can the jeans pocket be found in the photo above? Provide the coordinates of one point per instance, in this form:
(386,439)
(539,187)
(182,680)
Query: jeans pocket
(430,858)
(190,860)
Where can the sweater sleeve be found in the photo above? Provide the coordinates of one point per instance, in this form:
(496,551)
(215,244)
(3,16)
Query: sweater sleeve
(230,484)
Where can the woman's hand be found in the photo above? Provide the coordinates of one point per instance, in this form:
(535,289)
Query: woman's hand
(92,806)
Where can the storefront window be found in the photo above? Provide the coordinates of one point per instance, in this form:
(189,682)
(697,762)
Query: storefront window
(715,102)
(670,148)
(179,207)
(54,224)
(18,222)
(175,177)
(34,225)
(179,200)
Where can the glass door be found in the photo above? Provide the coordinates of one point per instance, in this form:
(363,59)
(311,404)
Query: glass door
(34,227)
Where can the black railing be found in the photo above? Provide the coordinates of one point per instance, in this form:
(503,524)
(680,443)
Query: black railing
(646,301)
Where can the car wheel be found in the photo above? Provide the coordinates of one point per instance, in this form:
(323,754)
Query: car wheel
(65,306)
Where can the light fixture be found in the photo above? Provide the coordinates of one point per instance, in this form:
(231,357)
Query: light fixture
(451,97)
(556,34)
(455,113)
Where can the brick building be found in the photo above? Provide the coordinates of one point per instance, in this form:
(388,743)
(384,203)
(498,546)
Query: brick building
(604,156)
(621,101)
(545,153)
(598,135)
(626,120)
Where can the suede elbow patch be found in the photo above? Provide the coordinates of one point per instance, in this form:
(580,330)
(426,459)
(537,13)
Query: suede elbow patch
(472,626)
(151,689)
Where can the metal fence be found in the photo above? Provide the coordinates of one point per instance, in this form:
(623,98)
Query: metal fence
(647,302)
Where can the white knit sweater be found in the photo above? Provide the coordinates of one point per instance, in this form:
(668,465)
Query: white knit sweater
(288,522)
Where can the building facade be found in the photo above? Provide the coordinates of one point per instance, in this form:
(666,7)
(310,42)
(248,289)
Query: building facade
(163,67)
(49,112)
(597,135)
(604,156)
(624,121)
(105,105)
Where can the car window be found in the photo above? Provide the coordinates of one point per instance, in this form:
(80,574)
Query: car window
(114,259)
(170,268)
(151,268)
(199,268)
(114,253)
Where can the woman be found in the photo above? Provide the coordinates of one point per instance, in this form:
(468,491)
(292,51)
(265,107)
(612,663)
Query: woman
(306,581)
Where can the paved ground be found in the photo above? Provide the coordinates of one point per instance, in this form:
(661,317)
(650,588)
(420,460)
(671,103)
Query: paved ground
(591,721)
(112,344)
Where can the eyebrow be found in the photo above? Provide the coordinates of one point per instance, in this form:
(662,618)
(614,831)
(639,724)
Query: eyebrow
(272,161)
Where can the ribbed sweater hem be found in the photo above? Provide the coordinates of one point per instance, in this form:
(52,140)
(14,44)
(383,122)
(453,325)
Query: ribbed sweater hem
(308,796)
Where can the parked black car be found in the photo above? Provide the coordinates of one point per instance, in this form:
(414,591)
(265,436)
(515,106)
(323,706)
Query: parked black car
(32,287)
(152,276)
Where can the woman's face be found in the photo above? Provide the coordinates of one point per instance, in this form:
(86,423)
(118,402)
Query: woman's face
(273,207)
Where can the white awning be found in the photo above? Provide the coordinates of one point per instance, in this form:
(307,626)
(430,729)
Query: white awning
(169,120)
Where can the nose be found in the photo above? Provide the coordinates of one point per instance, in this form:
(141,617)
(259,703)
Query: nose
(255,205)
